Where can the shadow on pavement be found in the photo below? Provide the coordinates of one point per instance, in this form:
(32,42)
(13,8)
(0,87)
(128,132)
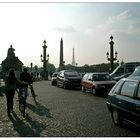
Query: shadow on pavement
(39,109)
(36,126)
(25,130)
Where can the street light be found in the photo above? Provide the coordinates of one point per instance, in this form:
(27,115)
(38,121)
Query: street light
(107,54)
(116,54)
(45,61)
(47,58)
(112,58)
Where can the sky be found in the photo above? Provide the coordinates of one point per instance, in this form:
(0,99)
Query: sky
(86,27)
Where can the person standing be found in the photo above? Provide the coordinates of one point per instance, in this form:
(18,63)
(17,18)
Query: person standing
(17,75)
(10,87)
(26,77)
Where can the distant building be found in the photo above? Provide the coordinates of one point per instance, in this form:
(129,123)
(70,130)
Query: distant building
(11,61)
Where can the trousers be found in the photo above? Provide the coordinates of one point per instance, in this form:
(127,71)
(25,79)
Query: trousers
(10,97)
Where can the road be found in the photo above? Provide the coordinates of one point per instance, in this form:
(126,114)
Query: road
(62,113)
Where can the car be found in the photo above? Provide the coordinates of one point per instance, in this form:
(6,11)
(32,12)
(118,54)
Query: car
(53,79)
(68,79)
(124,69)
(123,102)
(97,82)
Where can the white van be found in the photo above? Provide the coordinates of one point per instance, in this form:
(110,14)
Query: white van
(124,70)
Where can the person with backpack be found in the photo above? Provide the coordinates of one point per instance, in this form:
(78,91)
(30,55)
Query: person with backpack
(11,83)
(26,77)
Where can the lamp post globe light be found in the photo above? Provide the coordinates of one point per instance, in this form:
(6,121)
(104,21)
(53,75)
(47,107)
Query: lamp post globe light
(111,58)
(45,60)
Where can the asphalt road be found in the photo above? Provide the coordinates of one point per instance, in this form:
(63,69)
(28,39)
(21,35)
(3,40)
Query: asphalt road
(62,113)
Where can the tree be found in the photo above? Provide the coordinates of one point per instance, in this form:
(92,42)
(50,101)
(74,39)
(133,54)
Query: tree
(51,68)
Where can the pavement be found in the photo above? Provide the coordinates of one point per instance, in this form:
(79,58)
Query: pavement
(61,113)
(32,125)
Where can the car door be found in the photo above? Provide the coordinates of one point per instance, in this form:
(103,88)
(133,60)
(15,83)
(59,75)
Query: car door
(89,83)
(114,95)
(136,107)
(84,80)
(60,78)
(126,99)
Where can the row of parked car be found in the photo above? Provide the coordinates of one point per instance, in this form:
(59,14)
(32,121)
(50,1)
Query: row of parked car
(123,99)
(94,82)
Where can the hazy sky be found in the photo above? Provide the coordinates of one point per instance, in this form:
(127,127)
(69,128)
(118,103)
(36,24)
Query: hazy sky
(87,27)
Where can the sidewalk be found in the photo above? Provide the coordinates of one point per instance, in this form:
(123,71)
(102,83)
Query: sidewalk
(18,126)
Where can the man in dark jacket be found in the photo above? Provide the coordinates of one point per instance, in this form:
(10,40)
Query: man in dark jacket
(26,77)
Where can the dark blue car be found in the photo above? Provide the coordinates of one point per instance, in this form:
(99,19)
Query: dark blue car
(124,101)
(69,79)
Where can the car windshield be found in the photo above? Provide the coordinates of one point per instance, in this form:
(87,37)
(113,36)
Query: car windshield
(71,74)
(101,77)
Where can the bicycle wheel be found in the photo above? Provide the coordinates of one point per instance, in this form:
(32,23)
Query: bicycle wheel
(22,101)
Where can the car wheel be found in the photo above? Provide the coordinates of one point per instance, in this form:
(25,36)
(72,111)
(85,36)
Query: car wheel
(94,92)
(83,89)
(116,117)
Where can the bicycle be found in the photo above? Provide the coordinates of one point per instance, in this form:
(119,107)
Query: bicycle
(22,99)
(23,96)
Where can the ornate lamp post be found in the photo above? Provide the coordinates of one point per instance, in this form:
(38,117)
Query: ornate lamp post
(31,64)
(45,61)
(112,58)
